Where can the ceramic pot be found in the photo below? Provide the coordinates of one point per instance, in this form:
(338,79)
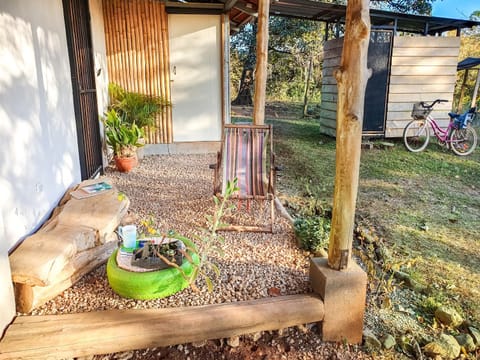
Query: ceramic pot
(125,164)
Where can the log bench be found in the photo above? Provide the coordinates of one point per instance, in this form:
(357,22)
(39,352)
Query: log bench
(78,237)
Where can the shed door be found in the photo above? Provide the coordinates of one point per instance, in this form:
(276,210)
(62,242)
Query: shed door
(195,73)
(376,94)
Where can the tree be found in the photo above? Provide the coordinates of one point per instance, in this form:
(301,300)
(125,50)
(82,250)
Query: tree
(243,48)
(466,79)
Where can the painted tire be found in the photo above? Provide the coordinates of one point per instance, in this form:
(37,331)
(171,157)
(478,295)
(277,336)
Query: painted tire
(146,285)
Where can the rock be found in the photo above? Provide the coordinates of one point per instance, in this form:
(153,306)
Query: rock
(408,281)
(124,356)
(388,342)
(466,341)
(447,347)
(370,341)
(475,333)
(199,344)
(256,336)
(448,316)
(233,341)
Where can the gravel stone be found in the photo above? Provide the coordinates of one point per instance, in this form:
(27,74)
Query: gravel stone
(175,191)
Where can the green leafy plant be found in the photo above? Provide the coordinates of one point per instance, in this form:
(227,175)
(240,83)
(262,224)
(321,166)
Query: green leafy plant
(121,137)
(135,108)
(312,232)
(208,243)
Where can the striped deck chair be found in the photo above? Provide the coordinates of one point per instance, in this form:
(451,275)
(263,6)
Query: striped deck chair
(247,154)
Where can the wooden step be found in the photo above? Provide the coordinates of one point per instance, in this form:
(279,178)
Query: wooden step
(74,335)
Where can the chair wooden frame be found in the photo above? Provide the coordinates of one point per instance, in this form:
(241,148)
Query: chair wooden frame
(255,181)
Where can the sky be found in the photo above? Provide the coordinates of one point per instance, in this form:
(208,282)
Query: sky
(455,9)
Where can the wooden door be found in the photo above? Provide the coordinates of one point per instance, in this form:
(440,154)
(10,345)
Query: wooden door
(195,73)
(77,24)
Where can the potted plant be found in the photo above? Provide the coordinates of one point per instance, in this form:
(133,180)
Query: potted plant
(123,139)
(136,108)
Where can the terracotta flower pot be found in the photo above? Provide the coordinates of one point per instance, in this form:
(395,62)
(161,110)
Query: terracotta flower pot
(125,164)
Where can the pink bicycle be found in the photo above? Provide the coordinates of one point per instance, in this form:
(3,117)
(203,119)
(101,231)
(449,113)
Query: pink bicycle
(458,136)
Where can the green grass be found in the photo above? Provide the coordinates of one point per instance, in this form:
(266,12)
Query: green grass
(423,205)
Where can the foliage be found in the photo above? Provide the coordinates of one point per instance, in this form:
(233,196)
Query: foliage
(399,192)
(312,232)
(136,108)
(468,48)
(293,44)
(200,250)
(122,137)
(423,7)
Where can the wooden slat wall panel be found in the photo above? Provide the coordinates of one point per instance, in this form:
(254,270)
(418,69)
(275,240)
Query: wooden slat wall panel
(332,53)
(423,69)
(138,56)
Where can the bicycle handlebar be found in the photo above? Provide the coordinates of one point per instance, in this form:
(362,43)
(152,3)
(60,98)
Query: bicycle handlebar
(424,104)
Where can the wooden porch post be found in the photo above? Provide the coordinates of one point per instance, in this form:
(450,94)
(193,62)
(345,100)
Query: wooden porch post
(475,90)
(262,62)
(352,77)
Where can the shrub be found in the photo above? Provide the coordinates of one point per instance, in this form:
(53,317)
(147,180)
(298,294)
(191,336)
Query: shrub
(312,232)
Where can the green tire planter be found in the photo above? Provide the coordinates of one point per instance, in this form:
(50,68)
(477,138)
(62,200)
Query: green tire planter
(147,285)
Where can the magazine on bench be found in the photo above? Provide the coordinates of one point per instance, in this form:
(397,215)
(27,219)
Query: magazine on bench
(91,190)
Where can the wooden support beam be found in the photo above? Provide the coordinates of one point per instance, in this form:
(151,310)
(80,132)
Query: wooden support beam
(475,90)
(74,335)
(262,63)
(352,77)
(245,9)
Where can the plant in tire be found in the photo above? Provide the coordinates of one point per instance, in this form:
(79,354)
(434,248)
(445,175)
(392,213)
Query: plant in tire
(207,244)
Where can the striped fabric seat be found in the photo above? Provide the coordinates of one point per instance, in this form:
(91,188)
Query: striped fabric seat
(247,154)
(245,159)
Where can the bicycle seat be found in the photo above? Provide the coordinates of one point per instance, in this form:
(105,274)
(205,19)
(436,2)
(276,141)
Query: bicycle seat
(453,115)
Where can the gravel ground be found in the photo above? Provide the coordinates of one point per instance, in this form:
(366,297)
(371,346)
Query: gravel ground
(176,192)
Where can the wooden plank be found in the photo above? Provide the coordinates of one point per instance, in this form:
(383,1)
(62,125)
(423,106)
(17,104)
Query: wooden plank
(261,63)
(329,89)
(329,97)
(328,114)
(407,106)
(395,115)
(427,79)
(425,61)
(329,80)
(419,97)
(423,70)
(420,88)
(426,41)
(333,44)
(330,123)
(74,335)
(328,105)
(425,52)
(400,124)
(29,297)
(331,62)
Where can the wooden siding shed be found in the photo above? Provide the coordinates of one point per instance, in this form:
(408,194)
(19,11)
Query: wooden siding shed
(421,69)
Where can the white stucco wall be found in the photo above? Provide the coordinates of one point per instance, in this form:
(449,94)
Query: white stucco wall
(39,154)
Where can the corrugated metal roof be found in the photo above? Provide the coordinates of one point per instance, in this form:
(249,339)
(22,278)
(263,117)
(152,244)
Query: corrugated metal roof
(243,11)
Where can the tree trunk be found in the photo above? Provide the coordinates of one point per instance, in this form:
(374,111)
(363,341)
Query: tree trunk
(307,86)
(244,96)
(262,62)
(352,77)
(462,91)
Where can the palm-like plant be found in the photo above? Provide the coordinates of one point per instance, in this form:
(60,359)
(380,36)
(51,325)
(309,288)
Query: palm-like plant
(136,108)
(121,136)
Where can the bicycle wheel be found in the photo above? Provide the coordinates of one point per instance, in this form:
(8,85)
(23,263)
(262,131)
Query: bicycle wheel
(463,141)
(416,135)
